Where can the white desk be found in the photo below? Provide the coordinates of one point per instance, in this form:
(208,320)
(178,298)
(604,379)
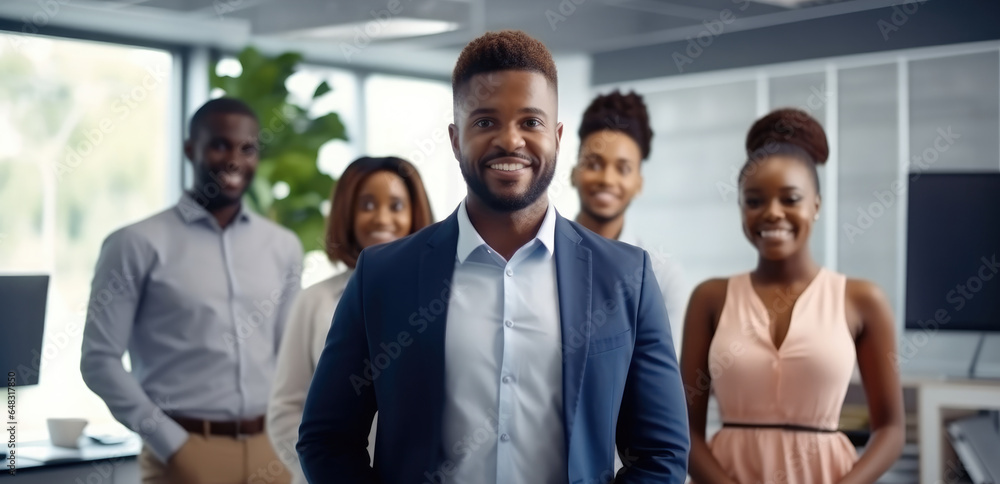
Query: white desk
(934,396)
(42,463)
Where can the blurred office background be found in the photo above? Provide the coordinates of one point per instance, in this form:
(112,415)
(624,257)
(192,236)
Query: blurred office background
(95,94)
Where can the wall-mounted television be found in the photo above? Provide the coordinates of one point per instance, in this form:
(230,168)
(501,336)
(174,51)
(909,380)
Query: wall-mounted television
(953,252)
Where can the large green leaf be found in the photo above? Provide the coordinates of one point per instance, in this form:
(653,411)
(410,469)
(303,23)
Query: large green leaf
(322,89)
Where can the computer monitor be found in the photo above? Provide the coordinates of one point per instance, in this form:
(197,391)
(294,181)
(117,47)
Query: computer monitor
(22,323)
(952,252)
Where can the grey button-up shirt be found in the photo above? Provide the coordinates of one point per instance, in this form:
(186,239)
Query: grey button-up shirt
(201,311)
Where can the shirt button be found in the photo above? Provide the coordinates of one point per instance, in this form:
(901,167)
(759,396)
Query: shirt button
(508,323)
(774,365)
(510,272)
(507,379)
(504,437)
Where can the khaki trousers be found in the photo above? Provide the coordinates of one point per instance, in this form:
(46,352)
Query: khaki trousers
(216,459)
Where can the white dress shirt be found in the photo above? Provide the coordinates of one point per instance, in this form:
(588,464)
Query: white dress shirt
(670,278)
(503,413)
(303,341)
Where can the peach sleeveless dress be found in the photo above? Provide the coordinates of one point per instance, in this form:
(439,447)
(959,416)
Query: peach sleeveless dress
(801,384)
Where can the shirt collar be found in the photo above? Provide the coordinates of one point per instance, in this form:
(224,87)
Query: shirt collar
(191,211)
(470,240)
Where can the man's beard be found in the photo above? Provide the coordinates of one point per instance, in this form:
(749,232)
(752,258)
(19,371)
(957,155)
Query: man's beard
(513,203)
(207,190)
(603,218)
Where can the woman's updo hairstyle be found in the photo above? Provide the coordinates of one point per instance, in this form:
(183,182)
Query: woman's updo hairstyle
(789,132)
(625,113)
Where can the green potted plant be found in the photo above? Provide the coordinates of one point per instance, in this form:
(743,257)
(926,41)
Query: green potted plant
(290,142)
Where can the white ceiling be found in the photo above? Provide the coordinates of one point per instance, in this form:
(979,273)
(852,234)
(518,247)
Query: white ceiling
(397,30)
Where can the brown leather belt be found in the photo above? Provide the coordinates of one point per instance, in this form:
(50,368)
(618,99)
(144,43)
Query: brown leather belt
(234,428)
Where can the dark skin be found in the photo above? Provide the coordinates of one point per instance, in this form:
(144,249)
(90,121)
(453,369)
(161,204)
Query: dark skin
(779,204)
(607,178)
(382,211)
(513,124)
(224,153)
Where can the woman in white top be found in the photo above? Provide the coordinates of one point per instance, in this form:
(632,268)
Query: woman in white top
(615,139)
(376,200)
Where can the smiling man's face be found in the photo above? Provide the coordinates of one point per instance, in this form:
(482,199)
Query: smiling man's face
(507,143)
(224,153)
(607,174)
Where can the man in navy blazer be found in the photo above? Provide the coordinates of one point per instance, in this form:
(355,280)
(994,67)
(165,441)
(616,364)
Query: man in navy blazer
(505,344)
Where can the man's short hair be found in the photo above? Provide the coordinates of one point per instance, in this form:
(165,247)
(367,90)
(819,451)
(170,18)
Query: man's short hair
(222,105)
(502,51)
(625,113)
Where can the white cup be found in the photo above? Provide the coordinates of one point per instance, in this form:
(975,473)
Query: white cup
(66,432)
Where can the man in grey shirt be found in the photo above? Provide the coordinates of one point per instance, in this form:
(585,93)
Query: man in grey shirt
(198,295)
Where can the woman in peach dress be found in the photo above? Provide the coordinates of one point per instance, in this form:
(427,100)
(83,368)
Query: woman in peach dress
(778,345)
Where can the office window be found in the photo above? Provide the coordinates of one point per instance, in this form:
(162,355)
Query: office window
(85,151)
(409,118)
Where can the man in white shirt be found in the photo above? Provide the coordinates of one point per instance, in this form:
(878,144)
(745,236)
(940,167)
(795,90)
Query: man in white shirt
(615,138)
(505,344)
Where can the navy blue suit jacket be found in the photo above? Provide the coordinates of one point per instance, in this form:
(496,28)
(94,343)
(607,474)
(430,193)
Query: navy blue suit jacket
(385,352)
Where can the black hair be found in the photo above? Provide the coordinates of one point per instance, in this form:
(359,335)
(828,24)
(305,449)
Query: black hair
(789,132)
(503,50)
(222,105)
(625,113)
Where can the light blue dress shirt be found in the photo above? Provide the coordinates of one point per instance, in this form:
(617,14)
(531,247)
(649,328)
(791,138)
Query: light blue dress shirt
(503,420)
(201,311)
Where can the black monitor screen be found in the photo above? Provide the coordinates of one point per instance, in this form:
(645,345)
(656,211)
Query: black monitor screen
(22,318)
(953,251)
